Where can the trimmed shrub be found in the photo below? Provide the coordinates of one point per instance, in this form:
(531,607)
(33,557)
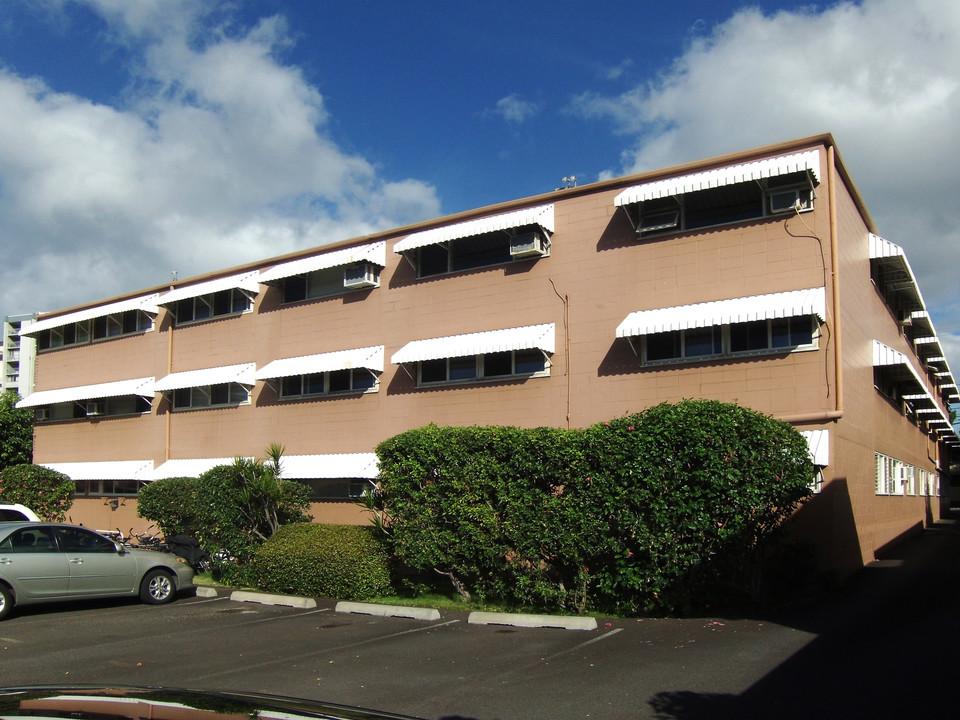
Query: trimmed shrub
(47,492)
(345,562)
(169,503)
(644,513)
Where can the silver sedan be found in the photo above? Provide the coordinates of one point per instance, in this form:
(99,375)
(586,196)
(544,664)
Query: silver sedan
(50,562)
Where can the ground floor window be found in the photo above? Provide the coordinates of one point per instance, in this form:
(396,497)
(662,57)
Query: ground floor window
(337,488)
(94,488)
(895,477)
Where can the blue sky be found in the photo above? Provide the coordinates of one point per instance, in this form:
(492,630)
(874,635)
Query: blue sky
(138,137)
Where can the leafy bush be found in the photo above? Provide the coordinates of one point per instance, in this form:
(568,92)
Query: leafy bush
(489,507)
(16,431)
(691,493)
(639,513)
(47,492)
(169,503)
(230,509)
(335,561)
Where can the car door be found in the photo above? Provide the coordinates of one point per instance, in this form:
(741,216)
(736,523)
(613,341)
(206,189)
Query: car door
(95,565)
(31,561)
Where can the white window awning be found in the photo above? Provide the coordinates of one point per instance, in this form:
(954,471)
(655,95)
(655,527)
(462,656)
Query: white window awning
(248,282)
(757,170)
(343,465)
(188,467)
(792,303)
(375,253)
(917,393)
(370,358)
(146,303)
(819,443)
(541,215)
(244,374)
(108,470)
(897,274)
(137,386)
(520,338)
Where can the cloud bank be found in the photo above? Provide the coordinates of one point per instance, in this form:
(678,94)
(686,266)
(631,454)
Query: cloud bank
(882,75)
(218,154)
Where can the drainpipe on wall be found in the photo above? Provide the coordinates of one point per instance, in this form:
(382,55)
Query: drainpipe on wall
(835,276)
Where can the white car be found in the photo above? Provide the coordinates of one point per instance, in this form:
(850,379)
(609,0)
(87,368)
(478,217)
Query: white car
(17,513)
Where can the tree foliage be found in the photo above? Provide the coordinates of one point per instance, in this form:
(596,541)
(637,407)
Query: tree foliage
(16,431)
(229,508)
(639,513)
(47,492)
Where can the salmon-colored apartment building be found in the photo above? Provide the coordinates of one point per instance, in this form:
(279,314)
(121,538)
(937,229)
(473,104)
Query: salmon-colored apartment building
(756,278)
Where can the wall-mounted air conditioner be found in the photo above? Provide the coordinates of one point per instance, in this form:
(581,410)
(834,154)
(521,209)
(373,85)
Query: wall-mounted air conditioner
(93,408)
(529,244)
(361,275)
(41,414)
(792,200)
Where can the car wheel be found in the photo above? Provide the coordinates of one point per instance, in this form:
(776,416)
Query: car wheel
(6,601)
(157,587)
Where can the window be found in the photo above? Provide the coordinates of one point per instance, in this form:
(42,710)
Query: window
(888,475)
(232,301)
(31,540)
(750,338)
(79,540)
(316,284)
(468,253)
(129,322)
(109,487)
(102,407)
(489,366)
(729,203)
(333,382)
(337,488)
(220,395)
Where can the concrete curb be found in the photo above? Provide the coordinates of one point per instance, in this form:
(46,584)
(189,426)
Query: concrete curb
(268,599)
(414,613)
(533,621)
(206,591)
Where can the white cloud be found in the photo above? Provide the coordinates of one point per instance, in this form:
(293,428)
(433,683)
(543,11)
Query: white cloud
(883,76)
(219,155)
(515,109)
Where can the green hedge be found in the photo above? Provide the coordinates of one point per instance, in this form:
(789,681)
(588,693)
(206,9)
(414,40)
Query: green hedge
(335,561)
(47,492)
(645,512)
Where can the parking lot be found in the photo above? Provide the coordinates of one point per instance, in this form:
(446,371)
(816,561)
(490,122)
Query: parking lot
(879,649)
(446,668)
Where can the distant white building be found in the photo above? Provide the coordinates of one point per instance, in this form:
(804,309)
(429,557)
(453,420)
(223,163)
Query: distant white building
(19,355)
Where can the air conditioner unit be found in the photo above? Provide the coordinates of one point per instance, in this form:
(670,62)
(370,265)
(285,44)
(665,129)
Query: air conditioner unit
(792,200)
(362,275)
(529,244)
(93,408)
(41,414)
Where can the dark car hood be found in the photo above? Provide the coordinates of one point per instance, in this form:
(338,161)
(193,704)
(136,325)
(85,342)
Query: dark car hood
(86,702)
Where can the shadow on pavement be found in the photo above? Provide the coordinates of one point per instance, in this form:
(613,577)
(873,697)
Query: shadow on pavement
(886,646)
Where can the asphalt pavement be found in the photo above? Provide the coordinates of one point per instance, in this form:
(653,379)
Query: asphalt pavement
(884,646)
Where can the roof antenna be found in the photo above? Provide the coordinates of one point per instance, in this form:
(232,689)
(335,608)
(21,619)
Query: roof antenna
(568,181)
(173,276)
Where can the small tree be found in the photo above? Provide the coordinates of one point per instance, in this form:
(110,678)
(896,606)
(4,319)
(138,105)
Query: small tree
(239,506)
(16,431)
(170,503)
(47,492)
